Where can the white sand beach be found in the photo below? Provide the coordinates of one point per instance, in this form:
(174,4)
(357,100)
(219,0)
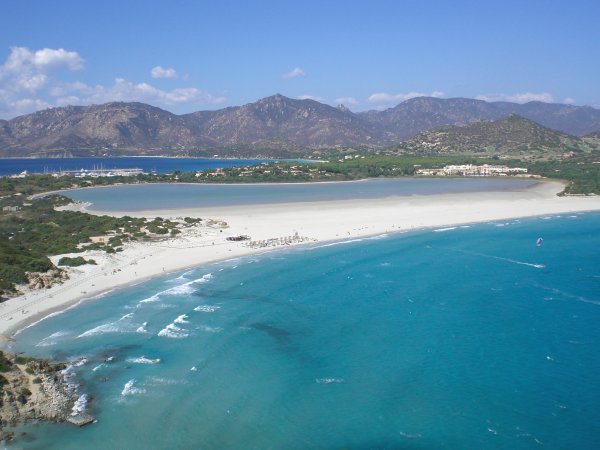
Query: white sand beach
(315,222)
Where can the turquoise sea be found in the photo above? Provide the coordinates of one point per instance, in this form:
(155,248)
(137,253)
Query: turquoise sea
(463,338)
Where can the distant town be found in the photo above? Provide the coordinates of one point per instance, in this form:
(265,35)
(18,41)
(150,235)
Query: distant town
(472,170)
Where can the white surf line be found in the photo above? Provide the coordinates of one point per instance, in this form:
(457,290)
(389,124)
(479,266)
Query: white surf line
(514,261)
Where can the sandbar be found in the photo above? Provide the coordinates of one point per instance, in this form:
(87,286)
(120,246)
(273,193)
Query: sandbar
(278,224)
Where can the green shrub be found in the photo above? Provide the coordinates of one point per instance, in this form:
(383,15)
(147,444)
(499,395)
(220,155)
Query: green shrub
(72,262)
(5,364)
(21,360)
(115,241)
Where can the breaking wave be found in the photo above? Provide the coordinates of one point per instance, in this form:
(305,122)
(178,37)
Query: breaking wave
(181,289)
(80,405)
(330,380)
(53,339)
(111,327)
(444,229)
(152,299)
(181,319)
(130,389)
(206,308)
(173,331)
(143,360)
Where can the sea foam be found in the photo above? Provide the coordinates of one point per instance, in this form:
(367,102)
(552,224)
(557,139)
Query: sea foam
(110,327)
(330,380)
(80,405)
(53,339)
(173,331)
(181,319)
(206,308)
(439,230)
(180,289)
(143,360)
(130,389)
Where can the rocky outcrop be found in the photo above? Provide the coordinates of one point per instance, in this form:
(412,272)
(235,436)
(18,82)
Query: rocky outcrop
(33,390)
(45,280)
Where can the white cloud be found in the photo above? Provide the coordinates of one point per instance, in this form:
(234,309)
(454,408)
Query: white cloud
(160,72)
(68,100)
(46,58)
(11,107)
(385,98)
(311,97)
(569,101)
(294,73)
(27,84)
(523,97)
(126,91)
(27,71)
(347,101)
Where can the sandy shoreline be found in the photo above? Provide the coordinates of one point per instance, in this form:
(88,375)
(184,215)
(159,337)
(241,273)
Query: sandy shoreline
(317,221)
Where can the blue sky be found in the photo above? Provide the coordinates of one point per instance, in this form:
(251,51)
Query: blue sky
(185,56)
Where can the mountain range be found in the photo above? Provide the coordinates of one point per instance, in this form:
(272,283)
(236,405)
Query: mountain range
(272,126)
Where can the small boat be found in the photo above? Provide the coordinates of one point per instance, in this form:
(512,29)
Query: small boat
(539,241)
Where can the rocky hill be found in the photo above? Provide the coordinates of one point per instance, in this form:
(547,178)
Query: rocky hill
(511,135)
(423,113)
(594,135)
(97,127)
(306,123)
(275,122)
(272,126)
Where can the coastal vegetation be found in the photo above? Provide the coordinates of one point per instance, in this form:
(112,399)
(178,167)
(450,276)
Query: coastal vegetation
(36,230)
(26,222)
(581,173)
(512,135)
(75,262)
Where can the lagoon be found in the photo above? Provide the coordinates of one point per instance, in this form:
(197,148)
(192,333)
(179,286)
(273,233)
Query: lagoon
(184,196)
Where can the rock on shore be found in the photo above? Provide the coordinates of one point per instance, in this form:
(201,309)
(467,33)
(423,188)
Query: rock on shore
(32,389)
(38,280)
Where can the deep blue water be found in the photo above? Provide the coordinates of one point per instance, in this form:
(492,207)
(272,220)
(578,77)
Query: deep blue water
(11,166)
(469,338)
(170,196)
